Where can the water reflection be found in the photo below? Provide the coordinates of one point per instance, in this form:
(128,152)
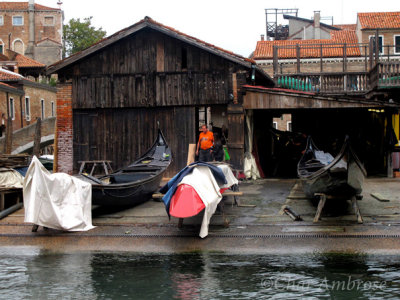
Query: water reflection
(31,274)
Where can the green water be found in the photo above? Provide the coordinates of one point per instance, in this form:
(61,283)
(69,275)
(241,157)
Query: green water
(26,273)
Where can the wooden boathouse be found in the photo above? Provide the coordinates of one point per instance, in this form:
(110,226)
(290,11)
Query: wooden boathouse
(111,95)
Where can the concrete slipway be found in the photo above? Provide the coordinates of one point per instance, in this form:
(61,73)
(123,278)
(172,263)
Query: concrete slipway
(262,229)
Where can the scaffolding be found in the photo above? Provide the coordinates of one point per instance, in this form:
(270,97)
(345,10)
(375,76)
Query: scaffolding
(278,32)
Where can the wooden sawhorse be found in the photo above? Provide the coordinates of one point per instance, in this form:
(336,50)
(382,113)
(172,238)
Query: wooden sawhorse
(321,204)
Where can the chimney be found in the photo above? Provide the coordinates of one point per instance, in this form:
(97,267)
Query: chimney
(262,37)
(31,30)
(317,24)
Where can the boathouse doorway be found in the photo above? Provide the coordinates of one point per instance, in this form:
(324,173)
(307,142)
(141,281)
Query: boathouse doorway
(278,151)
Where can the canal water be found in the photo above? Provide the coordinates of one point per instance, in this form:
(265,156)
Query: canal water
(26,273)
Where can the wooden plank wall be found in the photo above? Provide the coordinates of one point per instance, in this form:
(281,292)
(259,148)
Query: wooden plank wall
(149,69)
(122,135)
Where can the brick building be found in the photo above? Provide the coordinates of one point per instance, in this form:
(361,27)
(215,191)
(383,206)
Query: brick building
(23,100)
(31,29)
(339,48)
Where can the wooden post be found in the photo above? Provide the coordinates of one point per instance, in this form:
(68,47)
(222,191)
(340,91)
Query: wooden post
(321,59)
(275,59)
(236,135)
(9,136)
(356,209)
(371,52)
(377,46)
(321,204)
(234,88)
(366,59)
(37,138)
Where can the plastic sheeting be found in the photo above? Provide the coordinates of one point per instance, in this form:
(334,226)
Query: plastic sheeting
(185,203)
(250,166)
(57,201)
(10,178)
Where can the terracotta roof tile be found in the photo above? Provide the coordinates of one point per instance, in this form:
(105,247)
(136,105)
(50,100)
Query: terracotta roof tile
(23,6)
(310,48)
(6,75)
(346,26)
(379,20)
(23,61)
(7,85)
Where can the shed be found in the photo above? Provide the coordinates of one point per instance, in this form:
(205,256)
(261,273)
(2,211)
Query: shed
(111,95)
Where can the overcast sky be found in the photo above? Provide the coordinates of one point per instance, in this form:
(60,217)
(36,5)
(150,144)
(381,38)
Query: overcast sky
(231,24)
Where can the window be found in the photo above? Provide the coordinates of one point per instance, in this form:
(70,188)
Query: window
(12,108)
(275,125)
(372,37)
(42,107)
(18,46)
(1,47)
(49,21)
(289,126)
(18,20)
(397,44)
(53,112)
(184,58)
(1,20)
(27,109)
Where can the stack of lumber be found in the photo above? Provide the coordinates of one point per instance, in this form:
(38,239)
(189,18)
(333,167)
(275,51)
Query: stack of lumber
(14,160)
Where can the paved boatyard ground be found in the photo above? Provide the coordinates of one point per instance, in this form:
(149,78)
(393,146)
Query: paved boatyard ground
(258,229)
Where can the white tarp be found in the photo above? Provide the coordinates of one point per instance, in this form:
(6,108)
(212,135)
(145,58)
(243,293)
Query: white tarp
(10,178)
(250,166)
(230,178)
(57,201)
(204,183)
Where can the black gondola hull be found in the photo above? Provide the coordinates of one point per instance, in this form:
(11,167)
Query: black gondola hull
(339,182)
(135,183)
(129,195)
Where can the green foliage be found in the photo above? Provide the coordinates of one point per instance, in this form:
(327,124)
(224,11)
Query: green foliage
(53,81)
(79,35)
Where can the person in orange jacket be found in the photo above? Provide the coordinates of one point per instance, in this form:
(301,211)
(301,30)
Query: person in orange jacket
(205,144)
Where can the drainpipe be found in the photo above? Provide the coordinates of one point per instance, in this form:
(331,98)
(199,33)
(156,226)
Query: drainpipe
(22,114)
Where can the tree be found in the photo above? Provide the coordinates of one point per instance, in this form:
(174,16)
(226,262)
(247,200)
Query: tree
(79,35)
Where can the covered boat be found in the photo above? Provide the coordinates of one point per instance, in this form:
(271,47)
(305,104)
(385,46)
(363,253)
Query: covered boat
(135,183)
(340,176)
(197,187)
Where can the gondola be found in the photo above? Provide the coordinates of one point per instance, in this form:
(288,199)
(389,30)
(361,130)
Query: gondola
(340,177)
(135,183)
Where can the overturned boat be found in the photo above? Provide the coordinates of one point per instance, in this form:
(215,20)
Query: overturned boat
(340,176)
(135,183)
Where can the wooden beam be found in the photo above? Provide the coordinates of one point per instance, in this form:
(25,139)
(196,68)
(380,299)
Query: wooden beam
(37,137)
(234,88)
(160,56)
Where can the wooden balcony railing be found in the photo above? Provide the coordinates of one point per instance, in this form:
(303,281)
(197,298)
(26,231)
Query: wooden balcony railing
(383,75)
(333,83)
